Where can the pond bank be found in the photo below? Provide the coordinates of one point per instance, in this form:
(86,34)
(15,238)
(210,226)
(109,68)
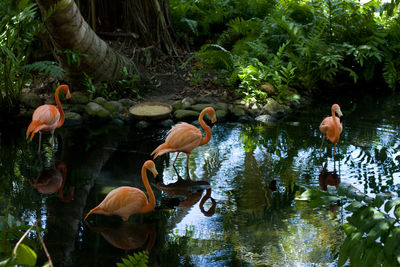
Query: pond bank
(80,110)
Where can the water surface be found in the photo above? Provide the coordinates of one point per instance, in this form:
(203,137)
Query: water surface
(238,207)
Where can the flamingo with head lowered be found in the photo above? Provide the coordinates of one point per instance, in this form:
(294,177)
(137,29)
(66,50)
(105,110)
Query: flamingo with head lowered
(125,200)
(46,118)
(331,127)
(184,137)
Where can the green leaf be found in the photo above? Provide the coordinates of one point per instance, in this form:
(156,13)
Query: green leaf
(390,204)
(344,252)
(25,255)
(348,228)
(397,211)
(377,231)
(392,242)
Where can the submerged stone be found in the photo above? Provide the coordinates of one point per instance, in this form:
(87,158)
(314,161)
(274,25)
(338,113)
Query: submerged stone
(72,119)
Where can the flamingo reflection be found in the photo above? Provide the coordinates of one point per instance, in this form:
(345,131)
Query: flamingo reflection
(189,192)
(331,178)
(328,178)
(52,180)
(127,236)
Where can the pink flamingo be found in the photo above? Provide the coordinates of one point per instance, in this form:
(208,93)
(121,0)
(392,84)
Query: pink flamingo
(331,127)
(47,118)
(125,200)
(184,137)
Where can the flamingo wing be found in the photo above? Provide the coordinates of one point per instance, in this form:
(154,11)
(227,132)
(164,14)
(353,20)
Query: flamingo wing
(124,201)
(184,137)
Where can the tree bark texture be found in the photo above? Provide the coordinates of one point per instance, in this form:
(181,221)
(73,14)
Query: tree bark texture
(69,31)
(148,19)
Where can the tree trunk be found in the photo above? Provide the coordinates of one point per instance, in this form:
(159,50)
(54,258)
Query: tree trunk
(147,21)
(69,32)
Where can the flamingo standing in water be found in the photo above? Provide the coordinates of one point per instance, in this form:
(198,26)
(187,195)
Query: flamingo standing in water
(331,127)
(184,137)
(125,200)
(47,118)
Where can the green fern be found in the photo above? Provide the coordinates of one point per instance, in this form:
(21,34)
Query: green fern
(216,57)
(139,259)
(49,68)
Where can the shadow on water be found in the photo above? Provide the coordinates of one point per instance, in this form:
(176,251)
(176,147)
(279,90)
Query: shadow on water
(237,208)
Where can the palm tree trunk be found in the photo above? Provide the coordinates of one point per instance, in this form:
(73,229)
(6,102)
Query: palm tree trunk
(70,32)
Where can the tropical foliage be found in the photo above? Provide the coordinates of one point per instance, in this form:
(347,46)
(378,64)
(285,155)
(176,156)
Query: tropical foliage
(18,25)
(307,45)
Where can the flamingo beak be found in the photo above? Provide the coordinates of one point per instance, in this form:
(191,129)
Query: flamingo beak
(339,112)
(68,95)
(214,118)
(154,171)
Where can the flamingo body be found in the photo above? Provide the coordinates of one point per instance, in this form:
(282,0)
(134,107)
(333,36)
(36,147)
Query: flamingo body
(47,118)
(331,127)
(125,200)
(184,137)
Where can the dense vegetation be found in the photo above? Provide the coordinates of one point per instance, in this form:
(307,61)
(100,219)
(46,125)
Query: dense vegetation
(278,49)
(297,46)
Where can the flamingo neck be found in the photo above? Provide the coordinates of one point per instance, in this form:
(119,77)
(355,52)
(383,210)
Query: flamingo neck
(336,124)
(152,199)
(62,116)
(206,128)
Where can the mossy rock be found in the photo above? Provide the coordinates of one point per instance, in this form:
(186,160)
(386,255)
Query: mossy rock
(100,100)
(200,107)
(96,110)
(186,115)
(221,115)
(112,106)
(177,105)
(238,111)
(187,102)
(79,98)
(72,119)
(221,106)
(126,102)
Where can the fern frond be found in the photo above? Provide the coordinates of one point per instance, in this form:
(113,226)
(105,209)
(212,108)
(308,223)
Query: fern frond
(49,68)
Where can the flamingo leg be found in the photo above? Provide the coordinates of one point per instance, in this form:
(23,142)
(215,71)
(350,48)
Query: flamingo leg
(40,141)
(323,138)
(173,164)
(187,165)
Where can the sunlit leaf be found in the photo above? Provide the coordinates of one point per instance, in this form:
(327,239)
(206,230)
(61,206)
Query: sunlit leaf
(390,204)
(25,255)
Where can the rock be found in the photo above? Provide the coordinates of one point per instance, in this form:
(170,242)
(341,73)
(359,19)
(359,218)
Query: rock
(79,98)
(200,107)
(221,106)
(72,119)
(265,118)
(185,115)
(245,119)
(176,105)
(99,100)
(31,100)
(205,99)
(268,88)
(96,110)
(274,108)
(117,122)
(221,115)
(142,125)
(112,106)
(187,102)
(126,102)
(167,123)
(237,111)
(255,109)
(78,108)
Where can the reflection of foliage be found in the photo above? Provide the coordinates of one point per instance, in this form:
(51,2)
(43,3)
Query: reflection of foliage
(139,259)
(371,233)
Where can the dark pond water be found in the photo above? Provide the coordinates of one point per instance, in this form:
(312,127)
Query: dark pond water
(251,172)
